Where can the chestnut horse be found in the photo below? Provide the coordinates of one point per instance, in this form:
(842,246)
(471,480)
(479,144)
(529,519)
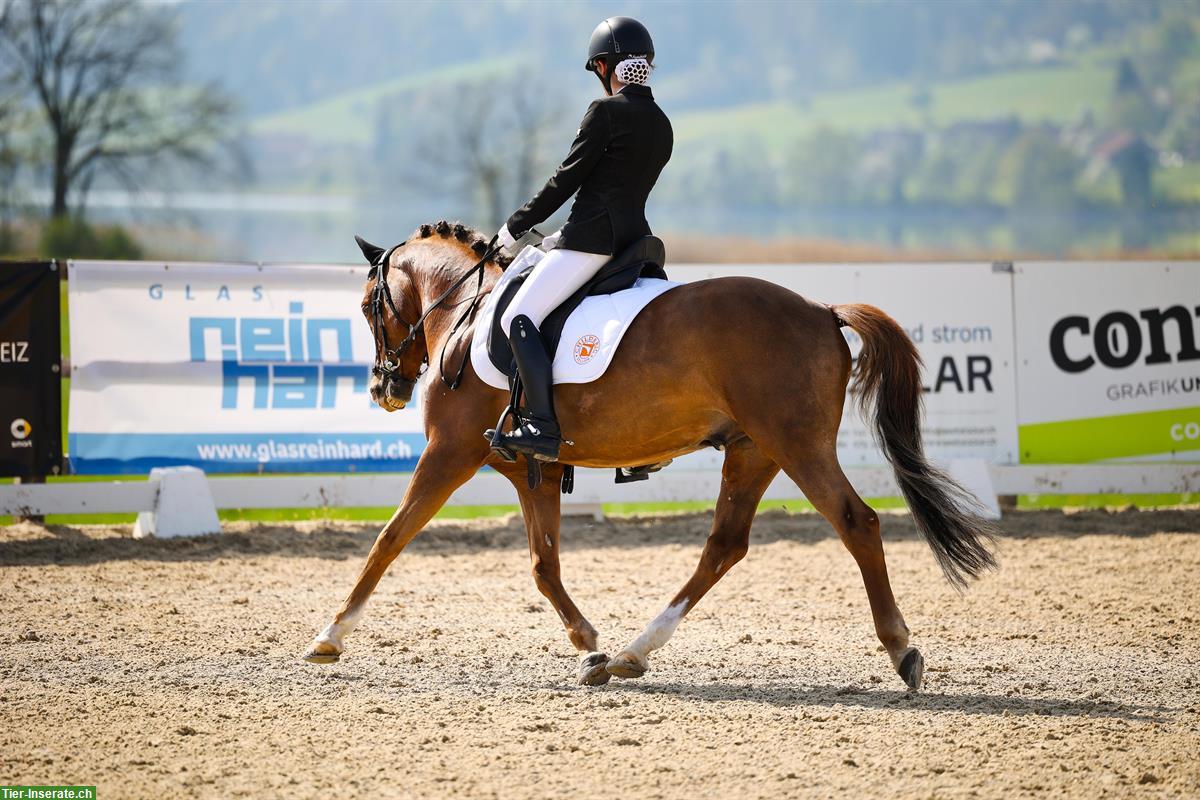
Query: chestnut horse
(734,363)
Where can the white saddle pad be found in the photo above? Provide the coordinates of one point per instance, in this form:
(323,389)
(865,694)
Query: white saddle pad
(590,335)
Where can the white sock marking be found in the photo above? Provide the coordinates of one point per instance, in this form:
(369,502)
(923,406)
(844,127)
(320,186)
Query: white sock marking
(659,631)
(335,630)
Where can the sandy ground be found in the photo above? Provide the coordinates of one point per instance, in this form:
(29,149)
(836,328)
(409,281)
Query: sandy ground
(155,667)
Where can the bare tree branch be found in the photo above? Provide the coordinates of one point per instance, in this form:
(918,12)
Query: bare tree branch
(104,74)
(491,149)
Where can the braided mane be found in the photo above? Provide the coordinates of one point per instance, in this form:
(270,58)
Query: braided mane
(467,235)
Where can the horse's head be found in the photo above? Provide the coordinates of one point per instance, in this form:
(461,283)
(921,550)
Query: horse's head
(392,305)
(402,284)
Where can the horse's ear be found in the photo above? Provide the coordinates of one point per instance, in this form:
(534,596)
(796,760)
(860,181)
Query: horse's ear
(370,251)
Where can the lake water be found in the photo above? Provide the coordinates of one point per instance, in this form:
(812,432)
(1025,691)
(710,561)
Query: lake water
(321,228)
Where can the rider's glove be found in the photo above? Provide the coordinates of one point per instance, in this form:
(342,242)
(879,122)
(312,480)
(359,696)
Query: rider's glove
(505,239)
(551,241)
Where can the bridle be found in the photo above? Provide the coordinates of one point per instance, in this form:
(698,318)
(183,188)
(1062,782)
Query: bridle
(387,359)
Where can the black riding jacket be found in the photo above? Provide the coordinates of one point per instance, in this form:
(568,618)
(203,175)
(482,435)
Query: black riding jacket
(623,143)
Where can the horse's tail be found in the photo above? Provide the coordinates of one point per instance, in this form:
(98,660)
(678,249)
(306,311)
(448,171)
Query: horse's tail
(887,377)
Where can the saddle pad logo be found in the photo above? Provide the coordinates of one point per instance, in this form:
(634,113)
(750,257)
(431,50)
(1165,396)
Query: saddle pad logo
(586,348)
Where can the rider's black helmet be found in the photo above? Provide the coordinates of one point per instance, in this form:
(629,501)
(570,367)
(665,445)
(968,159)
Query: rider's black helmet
(616,39)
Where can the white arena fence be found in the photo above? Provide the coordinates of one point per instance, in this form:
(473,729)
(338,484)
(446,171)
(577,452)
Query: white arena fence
(1046,377)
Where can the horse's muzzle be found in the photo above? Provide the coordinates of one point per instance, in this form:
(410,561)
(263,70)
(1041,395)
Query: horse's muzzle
(391,394)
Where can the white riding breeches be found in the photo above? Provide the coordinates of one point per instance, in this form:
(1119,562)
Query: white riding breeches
(555,278)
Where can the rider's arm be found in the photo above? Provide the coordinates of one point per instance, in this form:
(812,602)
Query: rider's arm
(586,150)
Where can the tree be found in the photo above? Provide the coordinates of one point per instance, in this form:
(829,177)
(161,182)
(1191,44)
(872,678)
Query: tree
(820,168)
(104,76)
(8,173)
(9,162)
(1132,106)
(494,145)
(1038,173)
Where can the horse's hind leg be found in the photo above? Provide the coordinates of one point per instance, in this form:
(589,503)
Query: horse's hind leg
(542,508)
(440,470)
(827,488)
(744,477)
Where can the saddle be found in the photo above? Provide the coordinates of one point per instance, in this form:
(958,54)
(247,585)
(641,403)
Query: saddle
(642,259)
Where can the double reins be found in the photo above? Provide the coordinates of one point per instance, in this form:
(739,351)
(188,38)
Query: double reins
(381,299)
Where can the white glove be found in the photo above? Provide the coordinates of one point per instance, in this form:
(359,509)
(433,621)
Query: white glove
(504,238)
(551,241)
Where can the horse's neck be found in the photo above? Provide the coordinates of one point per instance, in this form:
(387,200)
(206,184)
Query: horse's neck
(440,321)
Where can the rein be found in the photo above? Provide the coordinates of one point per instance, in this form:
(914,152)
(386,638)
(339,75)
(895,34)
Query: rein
(381,299)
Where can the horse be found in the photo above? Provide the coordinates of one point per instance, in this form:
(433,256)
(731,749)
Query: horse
(739,364)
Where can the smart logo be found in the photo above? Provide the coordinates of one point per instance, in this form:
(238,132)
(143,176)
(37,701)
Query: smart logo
(20,430)
(288,362)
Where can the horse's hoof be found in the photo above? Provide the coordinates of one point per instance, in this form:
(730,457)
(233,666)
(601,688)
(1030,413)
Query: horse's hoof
(912,668)
(322,653)
(627,665)
(593,669)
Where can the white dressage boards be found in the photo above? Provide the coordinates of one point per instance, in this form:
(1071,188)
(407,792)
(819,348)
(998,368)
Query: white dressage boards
(686,480)
(1040,378)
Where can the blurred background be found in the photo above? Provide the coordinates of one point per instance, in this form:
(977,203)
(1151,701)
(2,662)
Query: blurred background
(817,131)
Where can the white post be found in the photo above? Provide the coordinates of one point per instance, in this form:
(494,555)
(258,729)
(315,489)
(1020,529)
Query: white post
(183,505)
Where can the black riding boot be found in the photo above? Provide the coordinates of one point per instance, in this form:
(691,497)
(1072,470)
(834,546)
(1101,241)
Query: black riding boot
(536,432)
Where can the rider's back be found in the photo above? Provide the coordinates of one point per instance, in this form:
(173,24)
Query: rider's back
(609,212)
(622,145)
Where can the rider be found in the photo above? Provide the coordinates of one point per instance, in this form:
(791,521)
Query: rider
(621,147)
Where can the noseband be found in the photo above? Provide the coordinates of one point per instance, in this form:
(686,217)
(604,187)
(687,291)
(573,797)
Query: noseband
(387,360)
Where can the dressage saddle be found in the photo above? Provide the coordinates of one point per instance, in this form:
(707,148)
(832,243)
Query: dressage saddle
(642,259)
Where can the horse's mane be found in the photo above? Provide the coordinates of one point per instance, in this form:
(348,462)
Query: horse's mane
(462,233)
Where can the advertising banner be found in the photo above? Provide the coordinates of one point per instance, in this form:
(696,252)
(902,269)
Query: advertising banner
(227,367)
(1109,361)
(960,317)
(242,368)
(30,375)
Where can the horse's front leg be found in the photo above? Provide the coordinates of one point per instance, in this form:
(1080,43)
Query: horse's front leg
(542,509)
(442,468)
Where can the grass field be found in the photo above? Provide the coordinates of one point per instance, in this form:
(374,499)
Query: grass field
(381,513)
(1057,94)
(349,118)
(1181,183)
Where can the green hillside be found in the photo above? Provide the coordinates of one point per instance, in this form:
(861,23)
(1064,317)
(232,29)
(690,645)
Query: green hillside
(1060,93)
(347,118)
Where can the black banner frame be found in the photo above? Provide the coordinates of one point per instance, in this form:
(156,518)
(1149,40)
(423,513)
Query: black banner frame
(31,397)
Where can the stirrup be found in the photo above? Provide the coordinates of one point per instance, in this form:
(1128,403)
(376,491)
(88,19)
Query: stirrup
(533,435)
(544,447)
(495,437)
(499,448)
(640,473)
